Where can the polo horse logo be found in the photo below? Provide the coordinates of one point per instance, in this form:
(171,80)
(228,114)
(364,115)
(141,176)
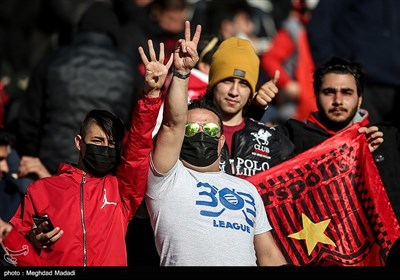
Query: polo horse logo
(261,136)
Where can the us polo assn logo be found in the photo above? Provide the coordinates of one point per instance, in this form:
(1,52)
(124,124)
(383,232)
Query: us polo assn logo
(261,147)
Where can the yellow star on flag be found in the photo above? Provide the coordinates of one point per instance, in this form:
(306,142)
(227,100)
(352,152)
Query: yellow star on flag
(313,233)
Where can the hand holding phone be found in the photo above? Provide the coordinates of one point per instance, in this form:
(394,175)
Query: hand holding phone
(38,220)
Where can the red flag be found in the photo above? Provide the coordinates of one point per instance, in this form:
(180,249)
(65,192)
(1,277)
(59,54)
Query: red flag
(328,205)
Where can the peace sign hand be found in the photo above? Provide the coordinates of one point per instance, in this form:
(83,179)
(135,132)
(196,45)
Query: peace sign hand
(185,54)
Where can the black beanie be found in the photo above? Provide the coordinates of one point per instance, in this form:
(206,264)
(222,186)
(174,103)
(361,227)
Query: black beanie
(100,17)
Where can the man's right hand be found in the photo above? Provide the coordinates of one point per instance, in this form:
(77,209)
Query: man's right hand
(185,54)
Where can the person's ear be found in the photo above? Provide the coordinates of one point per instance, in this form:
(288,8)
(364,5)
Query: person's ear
(78,142)
(221,141)
(359,102)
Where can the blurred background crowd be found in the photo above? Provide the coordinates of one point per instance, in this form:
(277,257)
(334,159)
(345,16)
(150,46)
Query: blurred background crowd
(58,62)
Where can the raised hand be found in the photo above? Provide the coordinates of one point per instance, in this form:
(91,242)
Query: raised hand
(156,71)
(267,92)
(185,54)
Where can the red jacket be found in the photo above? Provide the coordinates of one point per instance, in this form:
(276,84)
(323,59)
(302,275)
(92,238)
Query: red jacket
(198,82)
(93,212)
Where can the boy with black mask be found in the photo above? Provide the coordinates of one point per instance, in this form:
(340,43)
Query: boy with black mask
(96,159)
(90,203)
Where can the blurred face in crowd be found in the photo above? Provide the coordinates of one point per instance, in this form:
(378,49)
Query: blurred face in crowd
(338,101)
(231,95)
(172,21)
(240,26)
(243,25)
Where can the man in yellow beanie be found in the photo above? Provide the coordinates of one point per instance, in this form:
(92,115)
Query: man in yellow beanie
(251,147)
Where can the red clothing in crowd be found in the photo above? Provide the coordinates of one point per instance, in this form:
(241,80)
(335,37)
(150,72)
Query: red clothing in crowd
(197,84)
(93,212)
(286,46)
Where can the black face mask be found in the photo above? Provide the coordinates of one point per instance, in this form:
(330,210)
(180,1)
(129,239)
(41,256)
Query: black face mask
(200,150)
(100,160)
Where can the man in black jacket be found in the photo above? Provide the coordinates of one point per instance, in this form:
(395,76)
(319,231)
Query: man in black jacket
(338,87)
(250,146)
(346,29)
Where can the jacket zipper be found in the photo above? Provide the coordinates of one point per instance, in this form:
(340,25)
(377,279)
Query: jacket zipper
(83,220)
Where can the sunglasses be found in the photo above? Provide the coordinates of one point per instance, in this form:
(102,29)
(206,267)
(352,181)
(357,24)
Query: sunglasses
(211,129)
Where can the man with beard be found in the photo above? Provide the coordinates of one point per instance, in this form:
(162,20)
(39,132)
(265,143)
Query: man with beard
(338,87)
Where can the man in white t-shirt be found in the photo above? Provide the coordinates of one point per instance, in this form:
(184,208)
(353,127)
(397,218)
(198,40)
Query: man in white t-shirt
(200,215)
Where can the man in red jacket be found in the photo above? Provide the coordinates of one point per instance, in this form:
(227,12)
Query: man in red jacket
(91,203)
(290,53)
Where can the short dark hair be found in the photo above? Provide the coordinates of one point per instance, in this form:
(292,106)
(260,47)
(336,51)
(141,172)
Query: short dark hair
(339,66)
(110,123)
(203,103)
(6,138)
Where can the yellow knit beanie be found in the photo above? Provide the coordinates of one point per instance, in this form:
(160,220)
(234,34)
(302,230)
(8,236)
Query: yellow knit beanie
(236,58)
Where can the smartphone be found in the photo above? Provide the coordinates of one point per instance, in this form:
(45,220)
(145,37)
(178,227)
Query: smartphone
(40,219)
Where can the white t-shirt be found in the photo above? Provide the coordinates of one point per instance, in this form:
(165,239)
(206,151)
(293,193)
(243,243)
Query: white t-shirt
(204,218)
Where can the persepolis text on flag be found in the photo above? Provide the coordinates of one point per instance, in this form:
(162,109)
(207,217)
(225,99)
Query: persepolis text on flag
(328,205)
